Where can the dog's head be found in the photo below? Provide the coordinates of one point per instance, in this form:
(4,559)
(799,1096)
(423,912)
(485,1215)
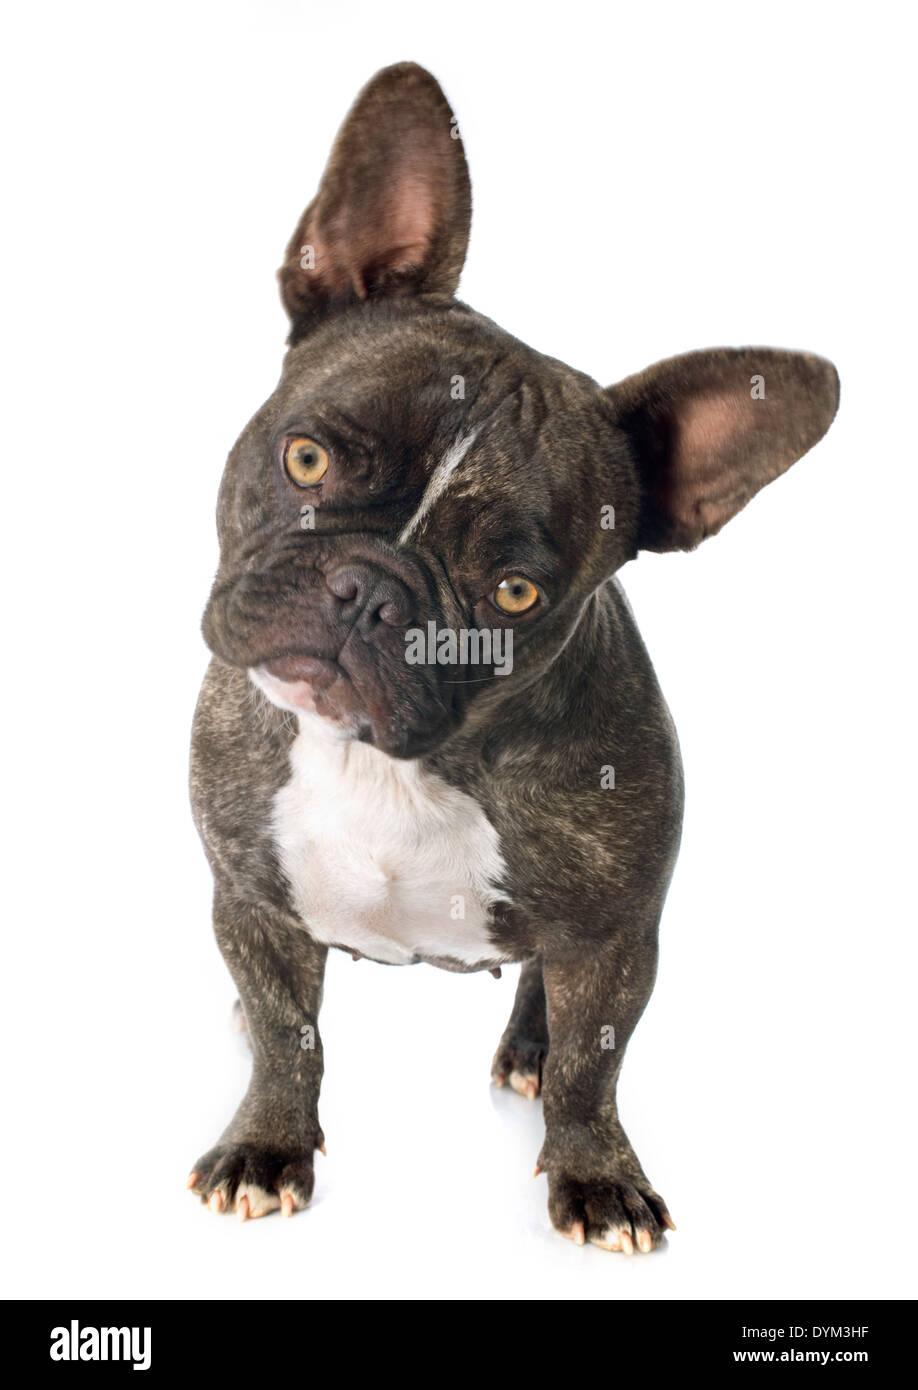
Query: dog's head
(414,522)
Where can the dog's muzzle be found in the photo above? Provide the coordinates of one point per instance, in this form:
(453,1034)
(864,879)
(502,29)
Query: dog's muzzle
(329,640)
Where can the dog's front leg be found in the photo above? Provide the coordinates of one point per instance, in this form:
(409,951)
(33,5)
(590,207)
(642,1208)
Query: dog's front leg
(264,1159)
(597,1188)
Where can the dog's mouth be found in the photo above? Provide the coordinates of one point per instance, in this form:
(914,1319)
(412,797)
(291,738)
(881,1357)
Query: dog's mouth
(358,706)
(307,684)
(297,667)
(313,651)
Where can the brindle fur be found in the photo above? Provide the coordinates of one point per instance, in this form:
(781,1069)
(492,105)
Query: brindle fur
(377,338)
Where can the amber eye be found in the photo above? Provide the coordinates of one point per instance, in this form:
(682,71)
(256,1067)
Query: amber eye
(305,461)
(515,594)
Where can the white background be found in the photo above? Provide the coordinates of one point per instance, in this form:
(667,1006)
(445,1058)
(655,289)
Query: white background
(648,179)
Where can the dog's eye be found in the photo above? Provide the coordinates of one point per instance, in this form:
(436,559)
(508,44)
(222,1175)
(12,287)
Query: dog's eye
(515,594)
(305,461)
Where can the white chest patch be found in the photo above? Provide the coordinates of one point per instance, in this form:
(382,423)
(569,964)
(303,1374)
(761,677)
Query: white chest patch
(382,857)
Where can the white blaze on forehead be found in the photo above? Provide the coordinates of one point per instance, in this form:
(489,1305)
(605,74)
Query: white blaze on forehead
(439,481)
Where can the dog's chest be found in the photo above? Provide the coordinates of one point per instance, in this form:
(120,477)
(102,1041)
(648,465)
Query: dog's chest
(384,858)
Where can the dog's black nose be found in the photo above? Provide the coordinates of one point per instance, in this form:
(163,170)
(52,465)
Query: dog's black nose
(376,596)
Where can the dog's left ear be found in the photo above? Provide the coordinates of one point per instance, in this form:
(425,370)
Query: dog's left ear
(711,428)
(393,209)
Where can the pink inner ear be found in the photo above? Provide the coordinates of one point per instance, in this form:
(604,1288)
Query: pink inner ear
(705,427)
(705,482)
(410,218)
(390,230)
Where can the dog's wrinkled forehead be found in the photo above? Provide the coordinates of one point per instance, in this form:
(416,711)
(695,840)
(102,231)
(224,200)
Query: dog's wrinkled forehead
(440,428)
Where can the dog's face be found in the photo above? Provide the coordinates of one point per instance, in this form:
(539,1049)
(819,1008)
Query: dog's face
(419,472)
(476,513)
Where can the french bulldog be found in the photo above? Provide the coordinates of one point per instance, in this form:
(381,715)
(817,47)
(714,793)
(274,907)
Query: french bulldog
(417,476)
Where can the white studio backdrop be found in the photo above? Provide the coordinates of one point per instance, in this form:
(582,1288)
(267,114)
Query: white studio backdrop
(647,180)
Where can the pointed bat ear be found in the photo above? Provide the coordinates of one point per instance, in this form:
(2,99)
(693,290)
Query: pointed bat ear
(710,429)
(393,209)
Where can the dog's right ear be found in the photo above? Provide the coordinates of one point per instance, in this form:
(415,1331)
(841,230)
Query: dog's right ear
(393,209)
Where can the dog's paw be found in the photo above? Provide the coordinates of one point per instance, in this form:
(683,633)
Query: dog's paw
(252,1180)
(519,1062)
(618,1214)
